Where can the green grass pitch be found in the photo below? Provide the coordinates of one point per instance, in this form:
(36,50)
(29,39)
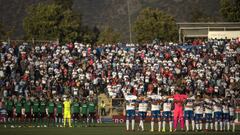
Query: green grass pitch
(100,129)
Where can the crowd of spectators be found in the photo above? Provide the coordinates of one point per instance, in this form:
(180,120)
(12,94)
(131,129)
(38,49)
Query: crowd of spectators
(84,70)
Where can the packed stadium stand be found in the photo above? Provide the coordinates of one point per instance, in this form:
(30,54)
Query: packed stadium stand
(52,72)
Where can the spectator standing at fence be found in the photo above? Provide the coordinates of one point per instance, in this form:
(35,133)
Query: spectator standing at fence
(103,109)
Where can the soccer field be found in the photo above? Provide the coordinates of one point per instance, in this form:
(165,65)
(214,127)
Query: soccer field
(103,129)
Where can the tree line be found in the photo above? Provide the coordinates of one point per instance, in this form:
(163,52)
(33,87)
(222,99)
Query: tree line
(58,20)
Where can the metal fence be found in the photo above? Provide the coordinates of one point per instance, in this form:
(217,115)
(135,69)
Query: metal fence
(30,42)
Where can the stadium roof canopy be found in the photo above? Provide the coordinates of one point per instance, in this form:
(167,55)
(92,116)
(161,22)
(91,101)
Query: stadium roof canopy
(202,29)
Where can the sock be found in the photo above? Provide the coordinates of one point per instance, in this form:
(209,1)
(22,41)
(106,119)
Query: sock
(19,122)
(224,125)
(37,121)
(41,122)
(53,122)
(182,123)
(69,122)
(233,128)
(142,125)
(216,126)
(133,123)
(49,120)
(187,125)
(30,122)
(74,122)
(164,124)
(25,122)
(197,126)
(193,125)
(60,121)
(64,122)
(211,125)
(228,126)
(175,123)
(87,120)
(170,125)
(201,126)
(152,125)
(8,121)
(221,125)
(15,122)
(159,126)
(206,125)
(127,124)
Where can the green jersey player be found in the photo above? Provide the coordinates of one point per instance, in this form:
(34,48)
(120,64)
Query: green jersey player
(91,110)
(36,114)
(27,107)
(76,111)
(9,107)
(42,113)
(84,111)
(59,113)
(18,106)
(51,117)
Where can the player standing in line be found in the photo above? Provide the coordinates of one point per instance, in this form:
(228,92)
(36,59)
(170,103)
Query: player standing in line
(59,113)
(9,106)
(76,112)
(226,115)
(130,110)
(167,113)
(142,111)
(188,112)
(179,99)
(35,112)
(217,109)
(232,114)
(208,110)
(198,111)
(67,112)
(91,111)
(51,116)
(84,112)
(155,111)
(18,106)
(42,113)
(27,116)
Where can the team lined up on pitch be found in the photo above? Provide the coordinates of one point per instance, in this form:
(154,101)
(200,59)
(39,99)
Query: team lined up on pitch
(216,113)
(42,112)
